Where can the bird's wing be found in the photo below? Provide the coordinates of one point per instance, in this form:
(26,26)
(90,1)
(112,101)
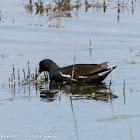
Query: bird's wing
(83,69)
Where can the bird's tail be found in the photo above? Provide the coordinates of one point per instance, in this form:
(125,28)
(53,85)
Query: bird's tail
(106,72)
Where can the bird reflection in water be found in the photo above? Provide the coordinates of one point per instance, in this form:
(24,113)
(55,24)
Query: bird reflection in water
(77,91)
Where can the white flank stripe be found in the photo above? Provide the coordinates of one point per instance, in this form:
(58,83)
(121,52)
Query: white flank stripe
(74,80)
(83,77)
(104,73)
(64,75)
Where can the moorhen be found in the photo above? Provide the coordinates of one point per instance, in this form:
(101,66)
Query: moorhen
(78,73)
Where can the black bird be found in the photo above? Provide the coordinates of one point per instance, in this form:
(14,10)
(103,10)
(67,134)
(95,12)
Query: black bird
(78,73)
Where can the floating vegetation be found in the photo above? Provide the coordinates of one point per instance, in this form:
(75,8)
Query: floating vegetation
(131,62)
(118,117)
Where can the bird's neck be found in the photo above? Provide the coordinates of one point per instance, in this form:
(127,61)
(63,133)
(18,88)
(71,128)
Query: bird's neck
(52,68)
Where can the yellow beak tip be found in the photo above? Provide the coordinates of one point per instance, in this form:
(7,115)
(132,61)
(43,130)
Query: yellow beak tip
(37,75)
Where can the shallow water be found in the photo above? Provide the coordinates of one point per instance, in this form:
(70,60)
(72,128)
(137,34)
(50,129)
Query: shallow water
(57,114)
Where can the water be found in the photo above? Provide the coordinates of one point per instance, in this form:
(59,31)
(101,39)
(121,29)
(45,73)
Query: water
(27,113)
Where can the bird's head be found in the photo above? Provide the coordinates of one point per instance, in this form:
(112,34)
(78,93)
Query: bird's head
(46,65)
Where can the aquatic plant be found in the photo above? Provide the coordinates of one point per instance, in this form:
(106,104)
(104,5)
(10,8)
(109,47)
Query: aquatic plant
(57,9)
